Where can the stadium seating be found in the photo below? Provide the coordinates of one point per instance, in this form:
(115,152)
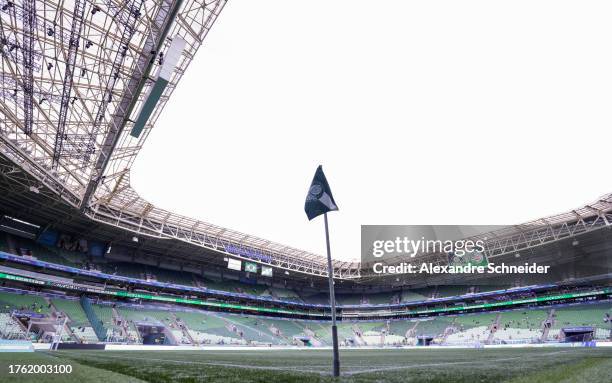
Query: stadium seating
(73,309)
(411,296)
(79,323)
(132,270)
(401,327)
(517,334)
(348,299)
(257,330)
(487,288)
(206,338)
(85,334)
(523,325)
(323,332)
(380,298)
(525,319)
(433,327)
(288,328)
(450,291)
(170,276)
(217,328)
(210,324)
(105,313)
(427,292)
(3,243)
(284,294)
(43,253)
(322,299)
(225,285)
(474,320)
(9,329)
(22,302)
(376,338)
(145,315)
(590,315)
(471,335)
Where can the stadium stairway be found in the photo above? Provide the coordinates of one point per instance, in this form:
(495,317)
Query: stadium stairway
(403,327)
(184,329)
(432,327)
(114,332)
(62,326)
(208,328)
(78,324)
(448,331)
(256,330)
(358,336)
(494,328)
(286,330)
(129,333)
(546,325)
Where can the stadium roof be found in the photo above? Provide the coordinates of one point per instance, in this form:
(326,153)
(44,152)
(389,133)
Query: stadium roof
(77,77)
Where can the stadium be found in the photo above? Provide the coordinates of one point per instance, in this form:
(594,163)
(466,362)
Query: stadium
(101,282)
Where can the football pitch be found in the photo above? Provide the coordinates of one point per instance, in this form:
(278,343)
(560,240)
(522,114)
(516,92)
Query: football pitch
(385,365)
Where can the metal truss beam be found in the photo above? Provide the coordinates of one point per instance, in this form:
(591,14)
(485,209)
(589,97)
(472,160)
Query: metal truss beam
(534,236)
(159,30)
(29,23)
(73,46)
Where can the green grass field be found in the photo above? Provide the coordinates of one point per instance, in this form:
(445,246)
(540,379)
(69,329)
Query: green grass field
(427,365)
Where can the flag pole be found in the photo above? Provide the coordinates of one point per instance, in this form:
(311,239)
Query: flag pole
(332,301)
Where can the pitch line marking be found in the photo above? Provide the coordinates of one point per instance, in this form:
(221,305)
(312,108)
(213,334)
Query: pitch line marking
(444,364)
(291,369)
(215,364)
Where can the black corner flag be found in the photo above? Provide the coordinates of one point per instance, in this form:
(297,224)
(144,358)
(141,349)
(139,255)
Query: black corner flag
(319,201)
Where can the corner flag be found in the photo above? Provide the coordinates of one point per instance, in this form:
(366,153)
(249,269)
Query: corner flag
(319,199)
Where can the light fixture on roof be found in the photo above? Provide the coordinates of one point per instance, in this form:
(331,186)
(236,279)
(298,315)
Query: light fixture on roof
(34,189)
(517,255)
(575,242)
(134,239)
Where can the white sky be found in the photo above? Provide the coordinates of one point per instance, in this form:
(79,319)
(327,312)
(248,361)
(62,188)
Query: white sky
(421,112)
